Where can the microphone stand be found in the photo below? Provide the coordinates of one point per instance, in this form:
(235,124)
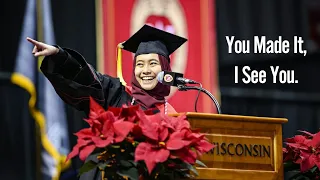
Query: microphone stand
(185,88)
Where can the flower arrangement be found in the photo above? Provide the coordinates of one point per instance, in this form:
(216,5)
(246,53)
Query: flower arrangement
(301,155)
(129,143)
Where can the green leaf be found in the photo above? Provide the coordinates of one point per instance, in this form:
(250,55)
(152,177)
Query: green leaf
(314,169)
(115,146)
(200,163)
(168,175)
(190,167)
(103,165)
(185,173)
(299,176)
(128,163)
(87,167)
(290,166)
(132,173)
(188,176)
(134,163)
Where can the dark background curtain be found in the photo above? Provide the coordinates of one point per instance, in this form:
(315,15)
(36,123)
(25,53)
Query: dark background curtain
(247,18)
(74,25)
(297,102)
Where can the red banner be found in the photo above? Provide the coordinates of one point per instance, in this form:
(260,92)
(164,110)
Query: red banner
(117,20)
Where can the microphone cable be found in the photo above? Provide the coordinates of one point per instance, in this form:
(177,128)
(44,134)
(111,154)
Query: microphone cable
(197,97)
(215,101)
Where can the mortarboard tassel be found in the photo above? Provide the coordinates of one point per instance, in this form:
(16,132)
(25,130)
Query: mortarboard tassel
(119,64)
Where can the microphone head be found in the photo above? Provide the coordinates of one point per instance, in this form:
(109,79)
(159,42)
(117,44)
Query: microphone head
(160,76)
(168,78)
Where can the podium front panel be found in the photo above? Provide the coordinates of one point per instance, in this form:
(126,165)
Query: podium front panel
(246,147)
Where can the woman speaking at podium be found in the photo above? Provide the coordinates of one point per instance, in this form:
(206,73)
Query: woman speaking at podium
(75,80)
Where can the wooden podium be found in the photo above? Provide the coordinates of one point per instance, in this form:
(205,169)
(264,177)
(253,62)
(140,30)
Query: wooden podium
(247,147)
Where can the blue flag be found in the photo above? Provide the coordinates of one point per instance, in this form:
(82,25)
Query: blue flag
(45,105)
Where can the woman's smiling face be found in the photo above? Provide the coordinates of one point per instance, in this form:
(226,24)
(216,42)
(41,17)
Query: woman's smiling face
(146,70)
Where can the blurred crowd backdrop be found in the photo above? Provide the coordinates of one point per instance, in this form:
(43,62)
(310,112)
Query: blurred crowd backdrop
(36,127)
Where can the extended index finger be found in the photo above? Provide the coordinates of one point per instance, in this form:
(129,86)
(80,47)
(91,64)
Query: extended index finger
(37,43)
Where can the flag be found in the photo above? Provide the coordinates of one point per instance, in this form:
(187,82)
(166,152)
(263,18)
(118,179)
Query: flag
(45,105)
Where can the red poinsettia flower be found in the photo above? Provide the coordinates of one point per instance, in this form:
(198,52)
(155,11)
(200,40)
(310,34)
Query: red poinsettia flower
(184,140)
(153,126)
(95,109)
(84,145)
(197,140)
(104,130)
(151,154)
(178,140)
(168,140)
(177,123)
(154,150)
(311,153)
(136,132)
(309,150)
(105,126)
(291,152)
(130,113)
(202,145)
(179,145)
(306,133)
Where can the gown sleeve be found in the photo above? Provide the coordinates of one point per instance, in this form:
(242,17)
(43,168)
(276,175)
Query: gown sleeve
(74,80)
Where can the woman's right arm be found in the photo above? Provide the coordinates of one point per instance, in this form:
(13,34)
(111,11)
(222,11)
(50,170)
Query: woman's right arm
(74,79)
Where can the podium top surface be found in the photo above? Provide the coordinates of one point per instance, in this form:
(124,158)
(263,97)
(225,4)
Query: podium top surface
(227,117)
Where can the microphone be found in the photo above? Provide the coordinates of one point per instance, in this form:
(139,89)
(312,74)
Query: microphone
(173,79)
(177,79)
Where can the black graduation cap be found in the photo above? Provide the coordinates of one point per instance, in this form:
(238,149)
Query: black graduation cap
(152,40)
